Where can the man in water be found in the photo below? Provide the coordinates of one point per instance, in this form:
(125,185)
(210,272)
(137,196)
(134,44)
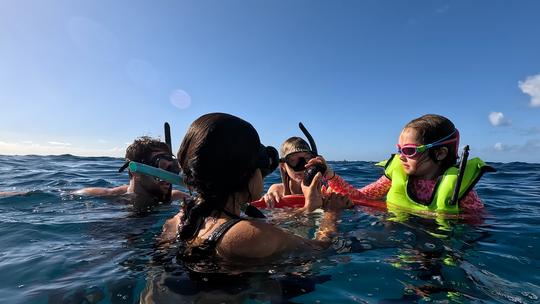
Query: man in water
(144,190)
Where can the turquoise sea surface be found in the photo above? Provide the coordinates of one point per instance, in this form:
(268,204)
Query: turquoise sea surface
(57,247)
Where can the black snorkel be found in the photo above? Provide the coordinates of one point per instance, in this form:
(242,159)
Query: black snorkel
(310,172)
(461,172)
(167,131)
(312,144)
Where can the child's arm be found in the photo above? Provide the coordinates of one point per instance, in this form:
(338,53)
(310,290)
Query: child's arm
(374,191)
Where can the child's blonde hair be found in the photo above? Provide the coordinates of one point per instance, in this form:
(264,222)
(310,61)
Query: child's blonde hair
(293,145)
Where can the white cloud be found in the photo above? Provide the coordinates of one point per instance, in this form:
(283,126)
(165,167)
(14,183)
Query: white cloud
(498,146)
(180,99)
(497,119)
(531,86)
(57,143)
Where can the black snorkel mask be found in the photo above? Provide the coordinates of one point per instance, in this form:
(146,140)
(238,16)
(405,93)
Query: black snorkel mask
(267,160)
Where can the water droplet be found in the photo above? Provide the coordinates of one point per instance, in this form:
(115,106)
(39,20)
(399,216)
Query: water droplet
(529,295)
(430,245)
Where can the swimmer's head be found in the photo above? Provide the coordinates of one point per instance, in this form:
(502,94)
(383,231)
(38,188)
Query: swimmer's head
(142,148)
(152,152)
(295,152)
(219,155)
(293,145)
(431,128)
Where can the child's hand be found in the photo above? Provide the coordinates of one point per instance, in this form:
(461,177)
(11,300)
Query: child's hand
(312,194)
(273,196)
(329,173)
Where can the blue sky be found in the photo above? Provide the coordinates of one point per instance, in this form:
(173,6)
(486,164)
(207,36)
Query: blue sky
(86,77)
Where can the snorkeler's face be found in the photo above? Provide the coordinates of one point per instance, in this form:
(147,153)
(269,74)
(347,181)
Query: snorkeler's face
(157,188)
(420,166)
(293,162)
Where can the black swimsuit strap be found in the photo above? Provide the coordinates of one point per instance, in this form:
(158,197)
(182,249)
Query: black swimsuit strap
(218,233)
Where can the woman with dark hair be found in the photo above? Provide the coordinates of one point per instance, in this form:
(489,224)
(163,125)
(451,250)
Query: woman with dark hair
(224,162)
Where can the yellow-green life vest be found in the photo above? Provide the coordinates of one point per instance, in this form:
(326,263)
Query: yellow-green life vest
(442,194)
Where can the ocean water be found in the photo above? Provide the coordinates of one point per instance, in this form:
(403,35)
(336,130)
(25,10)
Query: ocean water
(57,247)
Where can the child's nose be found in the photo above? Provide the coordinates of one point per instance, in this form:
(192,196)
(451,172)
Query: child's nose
(402,157)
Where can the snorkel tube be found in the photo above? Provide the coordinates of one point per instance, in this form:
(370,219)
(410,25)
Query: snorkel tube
(312,144)
(164,175)
(310,172)
(167,131)
(462,164)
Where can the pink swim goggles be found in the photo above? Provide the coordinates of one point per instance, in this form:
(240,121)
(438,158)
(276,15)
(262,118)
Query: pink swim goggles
(412,150)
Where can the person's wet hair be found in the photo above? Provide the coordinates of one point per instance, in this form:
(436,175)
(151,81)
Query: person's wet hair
(292,145)
(142,148)
(218,158)
(431,128)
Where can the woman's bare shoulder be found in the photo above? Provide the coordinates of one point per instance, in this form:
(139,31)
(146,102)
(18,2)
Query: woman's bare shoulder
(256,239)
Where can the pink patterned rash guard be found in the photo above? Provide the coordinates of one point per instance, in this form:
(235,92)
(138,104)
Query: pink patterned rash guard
(422,189)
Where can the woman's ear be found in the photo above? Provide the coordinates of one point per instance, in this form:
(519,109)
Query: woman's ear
(441,153)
